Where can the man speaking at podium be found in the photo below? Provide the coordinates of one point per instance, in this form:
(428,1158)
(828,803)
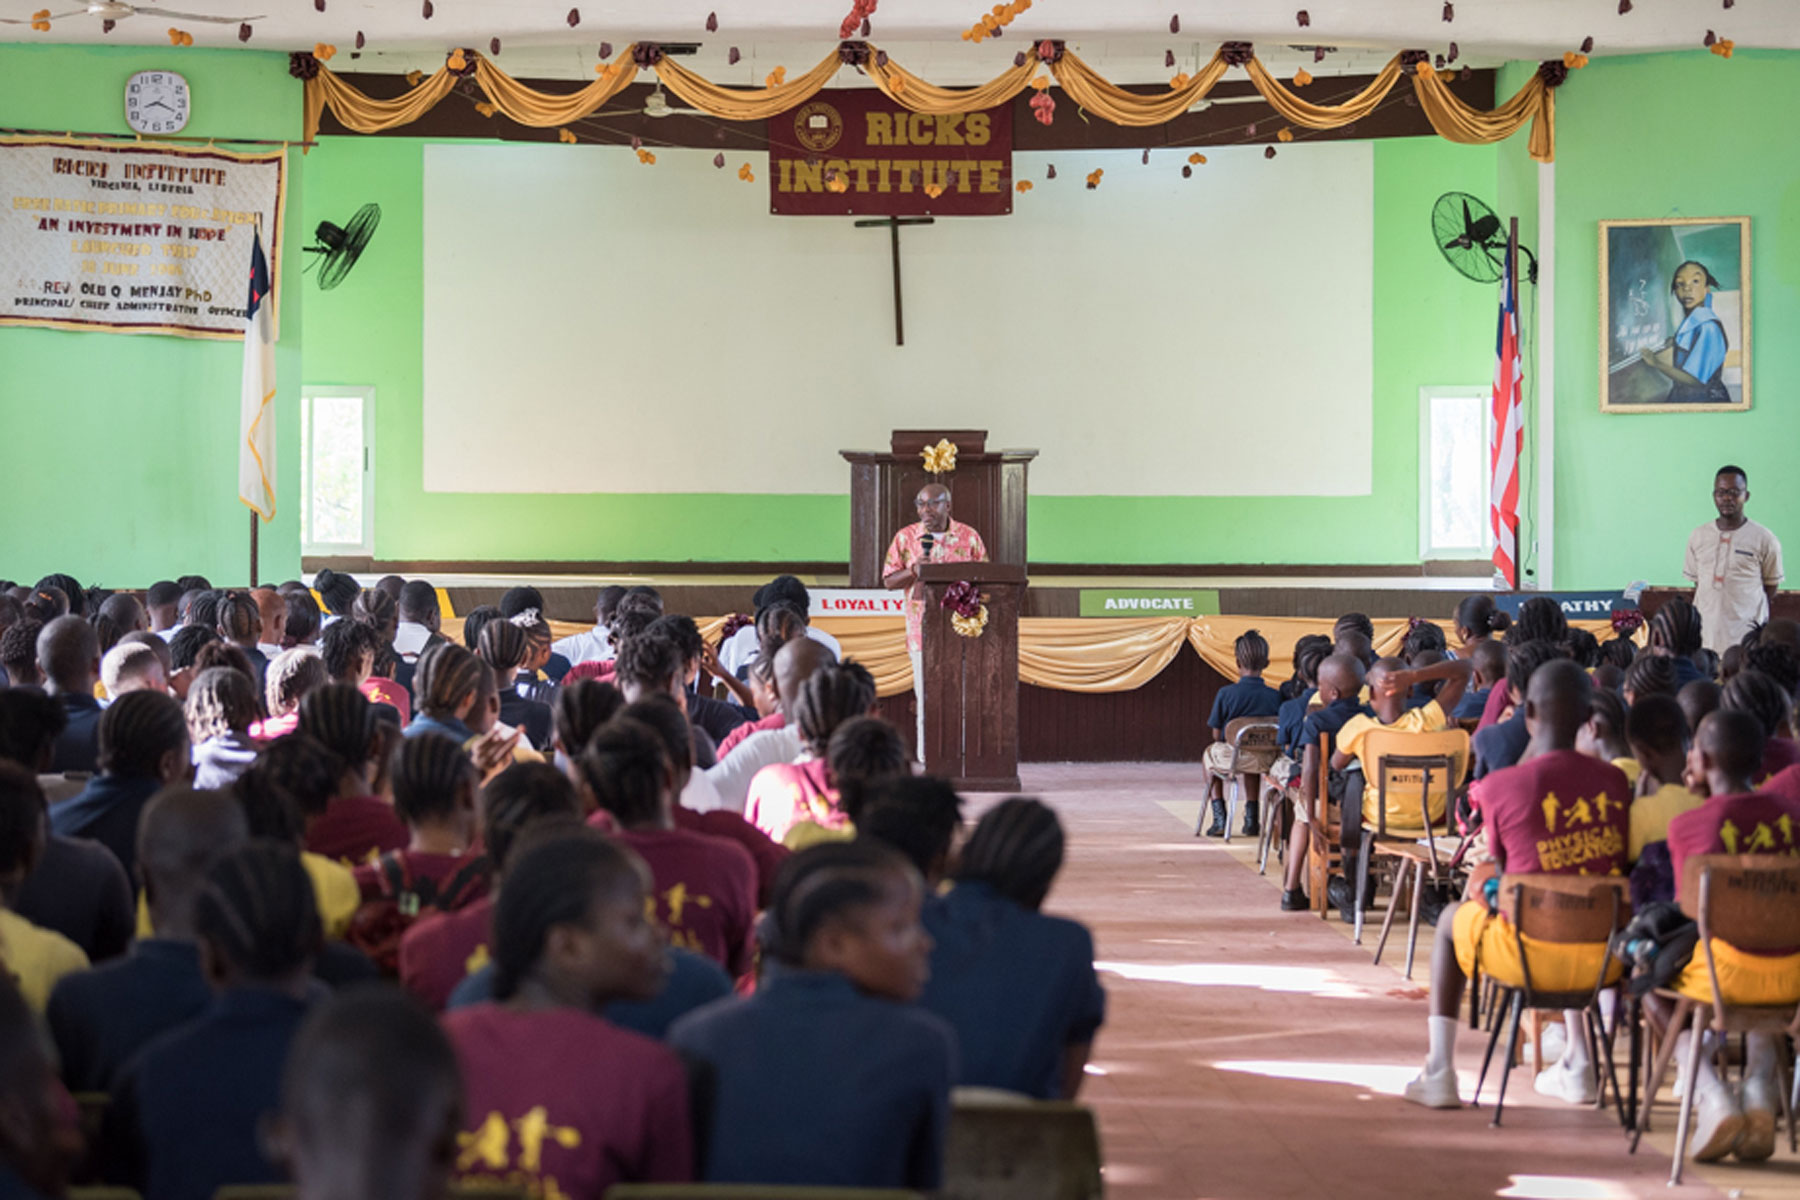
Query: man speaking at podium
(934,539)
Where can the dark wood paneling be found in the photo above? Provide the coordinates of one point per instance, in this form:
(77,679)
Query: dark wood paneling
(989,491)
(1163,721)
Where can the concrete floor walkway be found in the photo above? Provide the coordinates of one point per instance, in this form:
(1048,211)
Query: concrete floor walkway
(1254,1053)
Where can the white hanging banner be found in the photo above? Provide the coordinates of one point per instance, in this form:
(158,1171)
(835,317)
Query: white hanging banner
(131,237)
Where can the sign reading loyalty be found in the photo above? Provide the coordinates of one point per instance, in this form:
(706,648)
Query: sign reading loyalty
(856,152)
(1149,602)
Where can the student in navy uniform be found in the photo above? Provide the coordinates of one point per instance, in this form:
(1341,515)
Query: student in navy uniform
(1489,658)
(1501,745)
(505,647)
(143,746)
(188,1108)
(1340,690)
(100,1018)
(1248,697)
(517,601)
(828,1075)
(68,653)
(37,1140)
(918,815)
(1017,986)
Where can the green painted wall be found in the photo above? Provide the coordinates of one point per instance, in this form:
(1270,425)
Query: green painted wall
(1430,328)
(1673,135)
(121,460)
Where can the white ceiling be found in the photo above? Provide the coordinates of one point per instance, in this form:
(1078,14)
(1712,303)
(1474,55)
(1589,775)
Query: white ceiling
(1128,37)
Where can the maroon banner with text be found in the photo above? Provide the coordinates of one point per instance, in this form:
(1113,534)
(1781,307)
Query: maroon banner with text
(855,152)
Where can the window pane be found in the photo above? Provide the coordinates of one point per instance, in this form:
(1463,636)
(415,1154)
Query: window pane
(1458,473)
(335,507)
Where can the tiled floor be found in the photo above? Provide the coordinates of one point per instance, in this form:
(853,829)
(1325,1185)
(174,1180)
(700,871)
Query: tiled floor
(1254,1053)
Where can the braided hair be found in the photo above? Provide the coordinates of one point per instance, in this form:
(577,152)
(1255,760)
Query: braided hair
(431,776)
(293,779)
(18,650)
(504,647)
(1541,619)
(1354,622)
(636,613)
(220,701)
(257,912)
(137,730)
(342,720)
(649,661)
(376,609)
(1252,651)
(1675,628)
(777,625)
(830,697)
(863,752)
(476,620)
(661,715)
(1584,648)
(293,674)
(1309,651)
(446,678)
(339,591)
(1016,849)
(343,645)
(824,883)
(1477,615)
(1751,691)
(627,768)
(553,882)
(1650,675)
(47,604)
(74,595)
(581,708)
(187,643)
(517,796)
(1778,660)
(1618,652)
(300,627)
(239,619)
(916,815)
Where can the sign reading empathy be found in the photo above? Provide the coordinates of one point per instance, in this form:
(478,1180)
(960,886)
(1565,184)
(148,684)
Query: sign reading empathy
(133,238)
(1149,602)
(860,153)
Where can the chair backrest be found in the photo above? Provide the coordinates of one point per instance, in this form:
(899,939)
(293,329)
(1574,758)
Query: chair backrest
(1397,797)
(1046,1150)
(749,1191)
(1255,743)
(1570,909)
(1750,901)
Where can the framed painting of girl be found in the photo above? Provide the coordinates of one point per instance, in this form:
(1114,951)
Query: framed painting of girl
(1675,315)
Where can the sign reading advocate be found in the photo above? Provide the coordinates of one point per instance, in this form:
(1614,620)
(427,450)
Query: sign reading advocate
(1149,602)
(888,161)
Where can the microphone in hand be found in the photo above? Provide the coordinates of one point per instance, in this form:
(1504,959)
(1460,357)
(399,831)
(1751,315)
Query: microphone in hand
(925,544)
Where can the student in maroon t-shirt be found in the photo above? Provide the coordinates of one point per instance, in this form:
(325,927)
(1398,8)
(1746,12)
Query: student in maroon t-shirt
(441,949)
(1557,811)
(1763,697)
(560,1101)
(354,826)
(434,793)
(705,887)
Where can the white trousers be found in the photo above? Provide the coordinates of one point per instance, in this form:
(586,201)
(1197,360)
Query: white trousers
(918,669)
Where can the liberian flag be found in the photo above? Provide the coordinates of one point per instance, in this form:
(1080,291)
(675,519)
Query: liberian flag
(1509,434)
(256,411)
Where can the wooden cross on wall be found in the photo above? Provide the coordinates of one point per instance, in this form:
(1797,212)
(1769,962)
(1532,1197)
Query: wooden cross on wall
(892,225)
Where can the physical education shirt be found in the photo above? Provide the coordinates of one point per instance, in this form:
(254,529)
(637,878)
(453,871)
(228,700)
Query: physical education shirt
(694,981)
(354,829)
(722,823)
(1729,569)
(1747,823)
(1562,813)
(957,544)
(704,891)
(441,949)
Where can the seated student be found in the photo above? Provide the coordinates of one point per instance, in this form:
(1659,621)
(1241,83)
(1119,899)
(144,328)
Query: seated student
(593,645)
(476,620)
(69,656)
(442,948)
(783,795)
(420,618)
(747,644)
(1501,744)
(240,625)
(1489,658)
(1540,619)
(759,677)
(1297,697)
(1753,692)
(533,680)
(291,777)
(434,793)
(77,888)
(221,707)
(581,708)
(1619,650)
(524,606)
(379,611)
(1017,986)
(371,1102)
(1248,697)
(1658,734)
(382,686)
(143,746)
(33,956)
(38,1141)
(338,592)
(348,650)
(159,605)
(271,606)
(446,688)
(571,934)
(650,663)
(188,1108)
(1340,684)
(291,676)
(301,622)
(718,718)
(831,1043)
(1675,634)
(1697,699)
(1559,812)
(863,754)
(100,1018)
(918,817)
(505,648)
(795,663)
(663,717)
(704,887)
(131,667)
(1650,675)
(1603,736)
(496,744)
(349,823)
(1725,759)
(18,653)
(1584,649)
(184,650)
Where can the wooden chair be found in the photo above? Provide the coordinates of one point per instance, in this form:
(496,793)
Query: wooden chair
(1255,744)
(1749,902)
(1564,910)
(1000,1149)
(1323,851)
(1435,764)
(750,1191)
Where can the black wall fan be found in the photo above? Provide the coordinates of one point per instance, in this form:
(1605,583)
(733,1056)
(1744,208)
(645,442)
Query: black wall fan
(341,246)
(1472,239)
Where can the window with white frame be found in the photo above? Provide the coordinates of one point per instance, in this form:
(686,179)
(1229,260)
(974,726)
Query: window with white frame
(337,477)
(1453,472)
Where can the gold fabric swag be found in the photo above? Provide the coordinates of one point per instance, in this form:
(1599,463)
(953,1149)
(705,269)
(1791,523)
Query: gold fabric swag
(1533,105)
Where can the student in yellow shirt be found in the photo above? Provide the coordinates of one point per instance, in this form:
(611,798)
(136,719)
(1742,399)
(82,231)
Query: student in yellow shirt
(1658,734)
(35,957)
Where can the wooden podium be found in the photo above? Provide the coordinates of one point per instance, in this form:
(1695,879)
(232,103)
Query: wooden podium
(988,490)
(972,683)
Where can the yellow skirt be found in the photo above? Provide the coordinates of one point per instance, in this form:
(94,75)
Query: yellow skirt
(1744,978)
(1486,940)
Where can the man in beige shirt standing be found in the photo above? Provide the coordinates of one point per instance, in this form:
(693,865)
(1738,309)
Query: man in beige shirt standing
(1734,563)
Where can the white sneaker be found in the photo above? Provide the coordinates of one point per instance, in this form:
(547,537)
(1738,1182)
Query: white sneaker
(1434,1089)
(1556,1038)
(1571,1085)
(1757,1142)
(1718,1124)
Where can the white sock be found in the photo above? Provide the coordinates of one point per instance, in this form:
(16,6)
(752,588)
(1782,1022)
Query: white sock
(1575,1048)
(1759,1058)
(1706,1080)
(1442,1054)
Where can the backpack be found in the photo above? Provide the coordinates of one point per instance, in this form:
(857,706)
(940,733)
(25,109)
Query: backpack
(1655,947)
(379,924)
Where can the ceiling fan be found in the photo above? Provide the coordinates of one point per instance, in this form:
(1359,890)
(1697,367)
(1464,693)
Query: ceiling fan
(114,10)
(656,104)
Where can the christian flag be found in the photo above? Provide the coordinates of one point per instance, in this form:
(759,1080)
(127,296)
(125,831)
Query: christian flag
(1508,436)
(256,412)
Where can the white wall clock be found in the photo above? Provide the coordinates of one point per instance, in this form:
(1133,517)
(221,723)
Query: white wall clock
(156,102)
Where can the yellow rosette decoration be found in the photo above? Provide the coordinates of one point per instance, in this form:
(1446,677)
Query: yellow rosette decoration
(941,458)
(968,615)
(970,627)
